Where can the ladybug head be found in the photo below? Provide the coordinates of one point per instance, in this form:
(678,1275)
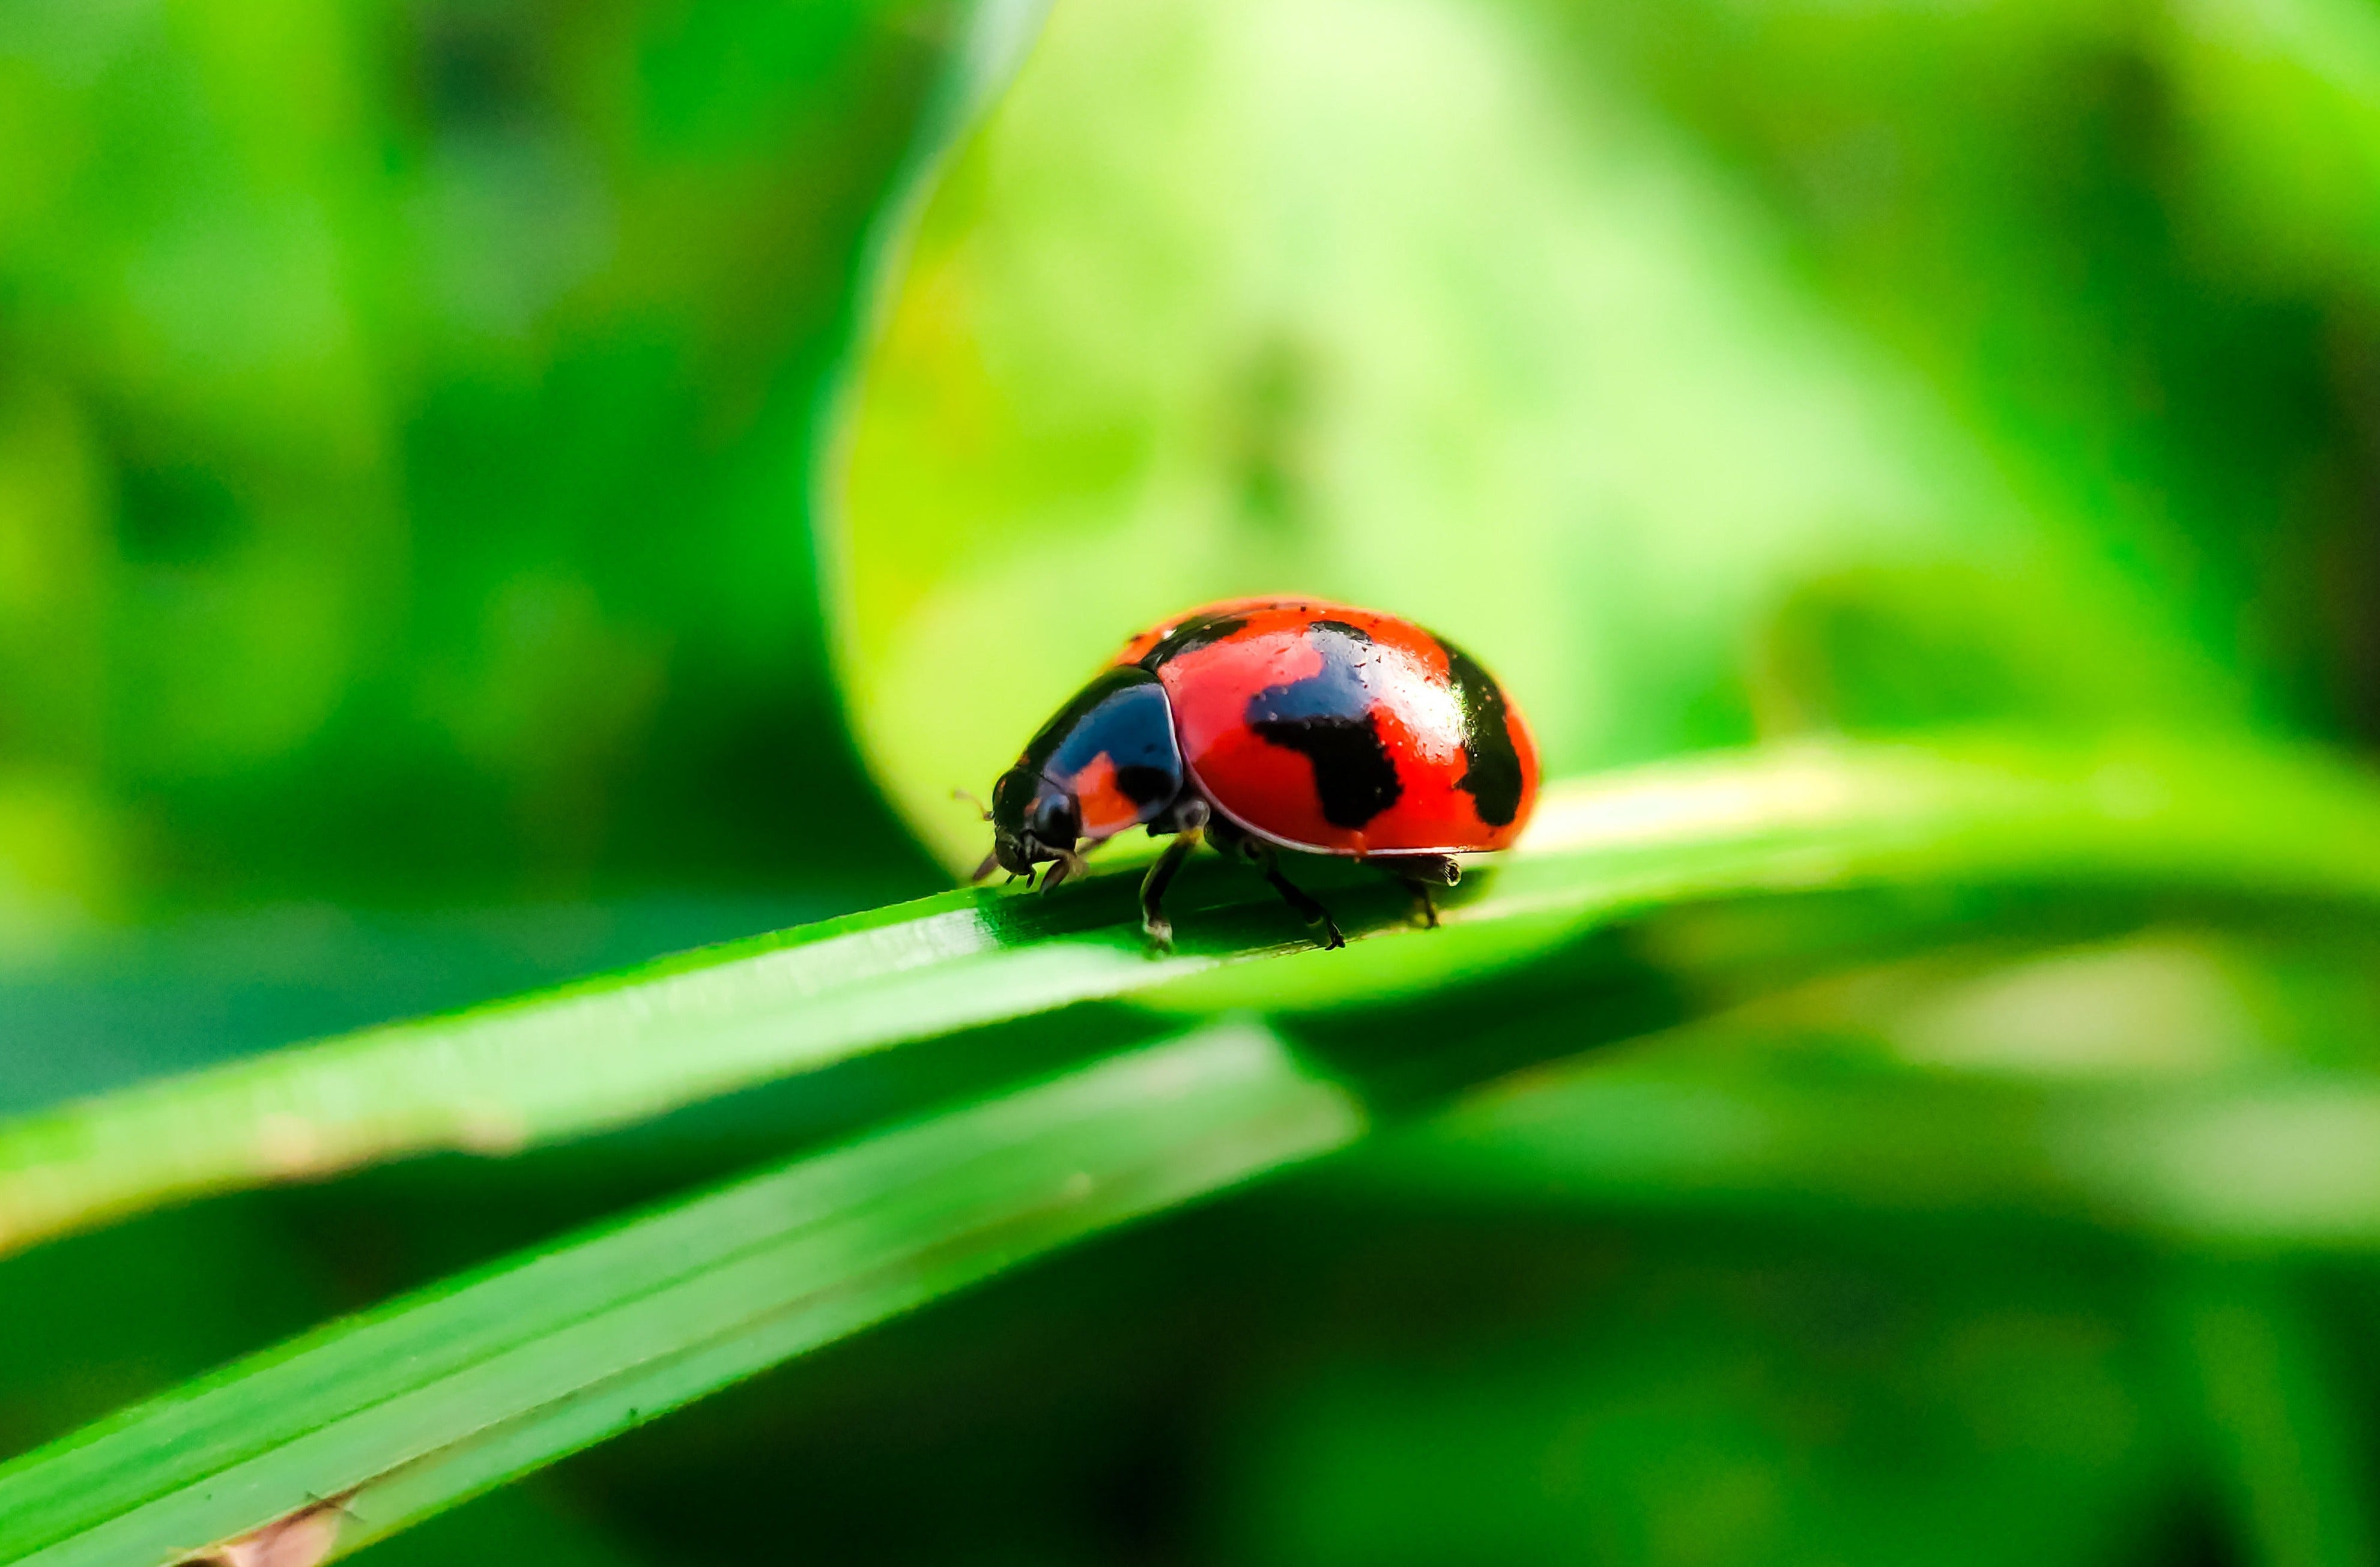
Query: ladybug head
(1034,820)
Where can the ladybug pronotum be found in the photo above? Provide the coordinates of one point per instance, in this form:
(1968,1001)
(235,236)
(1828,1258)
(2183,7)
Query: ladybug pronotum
(1271,724)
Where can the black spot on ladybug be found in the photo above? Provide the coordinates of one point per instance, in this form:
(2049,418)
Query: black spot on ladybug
(1327,717)
(1142,785)
(1353,773)
(1343,628)
(1494,779)
(1199,630)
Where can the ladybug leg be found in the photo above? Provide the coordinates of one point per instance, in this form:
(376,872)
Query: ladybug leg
(1312,912)
(1153,923)
(1423,874)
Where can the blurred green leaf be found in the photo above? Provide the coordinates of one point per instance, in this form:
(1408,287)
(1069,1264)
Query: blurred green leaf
(2127,249)
(1763,1396)
(2282,102)
(2218,1183)
(1414,306)
(2277,1162)
(428,1400)
(2290,1449)
(405,420)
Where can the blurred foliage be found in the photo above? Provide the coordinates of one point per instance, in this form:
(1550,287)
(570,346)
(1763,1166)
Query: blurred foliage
(403,410)
(1708,372)
(410,500)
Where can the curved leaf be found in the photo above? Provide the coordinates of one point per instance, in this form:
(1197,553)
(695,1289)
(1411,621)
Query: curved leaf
(418,1405)
(632,1045)
(1411,304)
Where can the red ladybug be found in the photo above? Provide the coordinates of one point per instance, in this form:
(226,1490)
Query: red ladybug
(1266,724)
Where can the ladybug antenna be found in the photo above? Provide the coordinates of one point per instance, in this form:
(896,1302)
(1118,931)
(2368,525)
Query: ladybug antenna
(981,810)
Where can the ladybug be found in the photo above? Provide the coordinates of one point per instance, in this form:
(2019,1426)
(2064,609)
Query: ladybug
(1270,724)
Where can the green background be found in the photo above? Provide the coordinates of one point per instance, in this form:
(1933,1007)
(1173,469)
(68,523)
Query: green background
(490,493)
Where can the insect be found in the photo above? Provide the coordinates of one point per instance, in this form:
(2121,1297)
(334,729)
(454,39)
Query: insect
(1269,724)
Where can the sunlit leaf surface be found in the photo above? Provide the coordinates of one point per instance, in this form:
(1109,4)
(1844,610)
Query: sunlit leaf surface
(608,1052)
(1409,305)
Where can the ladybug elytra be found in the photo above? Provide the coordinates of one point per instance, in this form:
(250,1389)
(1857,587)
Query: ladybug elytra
(1270,724)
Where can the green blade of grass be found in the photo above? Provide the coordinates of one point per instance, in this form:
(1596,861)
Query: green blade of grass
(612,1051)
(432,1400)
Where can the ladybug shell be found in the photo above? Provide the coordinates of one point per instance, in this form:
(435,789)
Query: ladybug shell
(1339,730)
